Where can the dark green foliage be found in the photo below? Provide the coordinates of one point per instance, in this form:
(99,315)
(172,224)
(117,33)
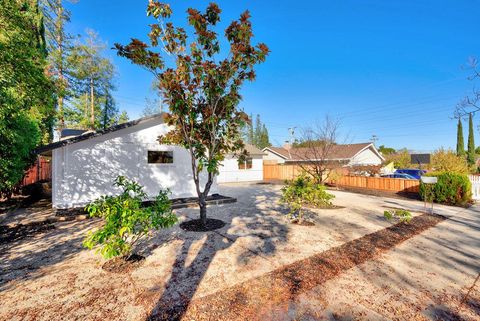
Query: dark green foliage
(256,133)
(471,142)
(127,221)
(386,150)
(400,214)
(26,99)
(20,134)
(304,191)
(460,141)
(451,188)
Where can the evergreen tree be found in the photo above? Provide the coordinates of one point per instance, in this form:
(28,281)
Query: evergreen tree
(26,99)
(257,135)
(109,112)
(250,133)
(59,45)
(265,140)
(471,142)
(93,107)
(460,141)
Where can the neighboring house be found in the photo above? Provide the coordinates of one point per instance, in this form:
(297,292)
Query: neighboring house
(364,154)
(84,167)
(237,168)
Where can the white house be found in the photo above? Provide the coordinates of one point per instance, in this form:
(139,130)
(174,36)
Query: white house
(247,168)
(84,167)
(363,154)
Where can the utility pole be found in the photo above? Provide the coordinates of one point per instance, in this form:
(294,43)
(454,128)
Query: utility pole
(291,130)
(374,139)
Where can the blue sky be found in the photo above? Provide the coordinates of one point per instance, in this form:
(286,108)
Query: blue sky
(387,68)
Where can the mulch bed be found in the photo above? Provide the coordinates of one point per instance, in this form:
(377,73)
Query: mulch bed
(9,234)
(258,298)
(123,265)
(197,226)
(177,203)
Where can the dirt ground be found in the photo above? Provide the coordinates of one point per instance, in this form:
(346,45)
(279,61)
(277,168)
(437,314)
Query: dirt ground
(49,276)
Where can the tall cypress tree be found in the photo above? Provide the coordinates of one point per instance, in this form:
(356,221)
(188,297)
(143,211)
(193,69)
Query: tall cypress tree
(257,137)
(460,141)
(250,134)
(471,142)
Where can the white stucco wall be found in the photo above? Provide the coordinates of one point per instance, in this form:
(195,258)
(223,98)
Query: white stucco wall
(86,170)
(366,157)
(269,156)
(229,172)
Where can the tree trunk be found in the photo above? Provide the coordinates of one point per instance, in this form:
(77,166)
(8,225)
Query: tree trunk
(61,117)
(92,107)
(203,209)
(61,79)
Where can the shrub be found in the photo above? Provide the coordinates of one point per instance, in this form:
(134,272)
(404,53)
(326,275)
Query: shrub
(448,161)
(451,188)
(127,221)
(304,191)
(402,215)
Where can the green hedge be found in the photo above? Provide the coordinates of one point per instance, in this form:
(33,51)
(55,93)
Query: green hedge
(451,188)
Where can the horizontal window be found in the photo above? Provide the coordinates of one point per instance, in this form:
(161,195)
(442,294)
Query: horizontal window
(244,162)
(160,157)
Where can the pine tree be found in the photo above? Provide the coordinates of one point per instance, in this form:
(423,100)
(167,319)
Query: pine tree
(265,140)
(257,136)
(59,44)
(250,133)
(471,142)
(460,141)
(95,75)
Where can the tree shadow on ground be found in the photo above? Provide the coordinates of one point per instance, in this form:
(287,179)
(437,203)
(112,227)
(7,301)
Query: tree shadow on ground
(244,219)
(24,259)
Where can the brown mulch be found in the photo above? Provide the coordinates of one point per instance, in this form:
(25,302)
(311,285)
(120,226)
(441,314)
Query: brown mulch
(123,265)
(271,293)
(197,226)
(20,231)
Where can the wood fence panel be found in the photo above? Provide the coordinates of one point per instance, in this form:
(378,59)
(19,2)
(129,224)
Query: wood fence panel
(39,172)
(396,185)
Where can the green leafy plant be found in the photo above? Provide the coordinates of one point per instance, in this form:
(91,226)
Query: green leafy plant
(400,214)
(304,191)
(127,220)
(451,188)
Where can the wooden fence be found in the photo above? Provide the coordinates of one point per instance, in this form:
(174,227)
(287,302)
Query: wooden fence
(395,185)
(41,171)
(280,172)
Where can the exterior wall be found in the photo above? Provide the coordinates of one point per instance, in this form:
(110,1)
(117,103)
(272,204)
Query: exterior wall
(269,156)
(366,157)
(84,171)
(229,172)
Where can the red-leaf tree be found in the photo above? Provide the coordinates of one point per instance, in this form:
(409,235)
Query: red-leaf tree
(201,89)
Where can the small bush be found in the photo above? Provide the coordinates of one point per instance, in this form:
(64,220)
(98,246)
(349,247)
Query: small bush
(303,191)
(402,215)
(127,221)
(451,188)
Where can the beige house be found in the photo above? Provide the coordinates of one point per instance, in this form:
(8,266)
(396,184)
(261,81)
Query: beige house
(362,154)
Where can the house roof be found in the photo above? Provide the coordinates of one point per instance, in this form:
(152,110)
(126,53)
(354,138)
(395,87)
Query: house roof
(92,134)
(335,152)
(253,150)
